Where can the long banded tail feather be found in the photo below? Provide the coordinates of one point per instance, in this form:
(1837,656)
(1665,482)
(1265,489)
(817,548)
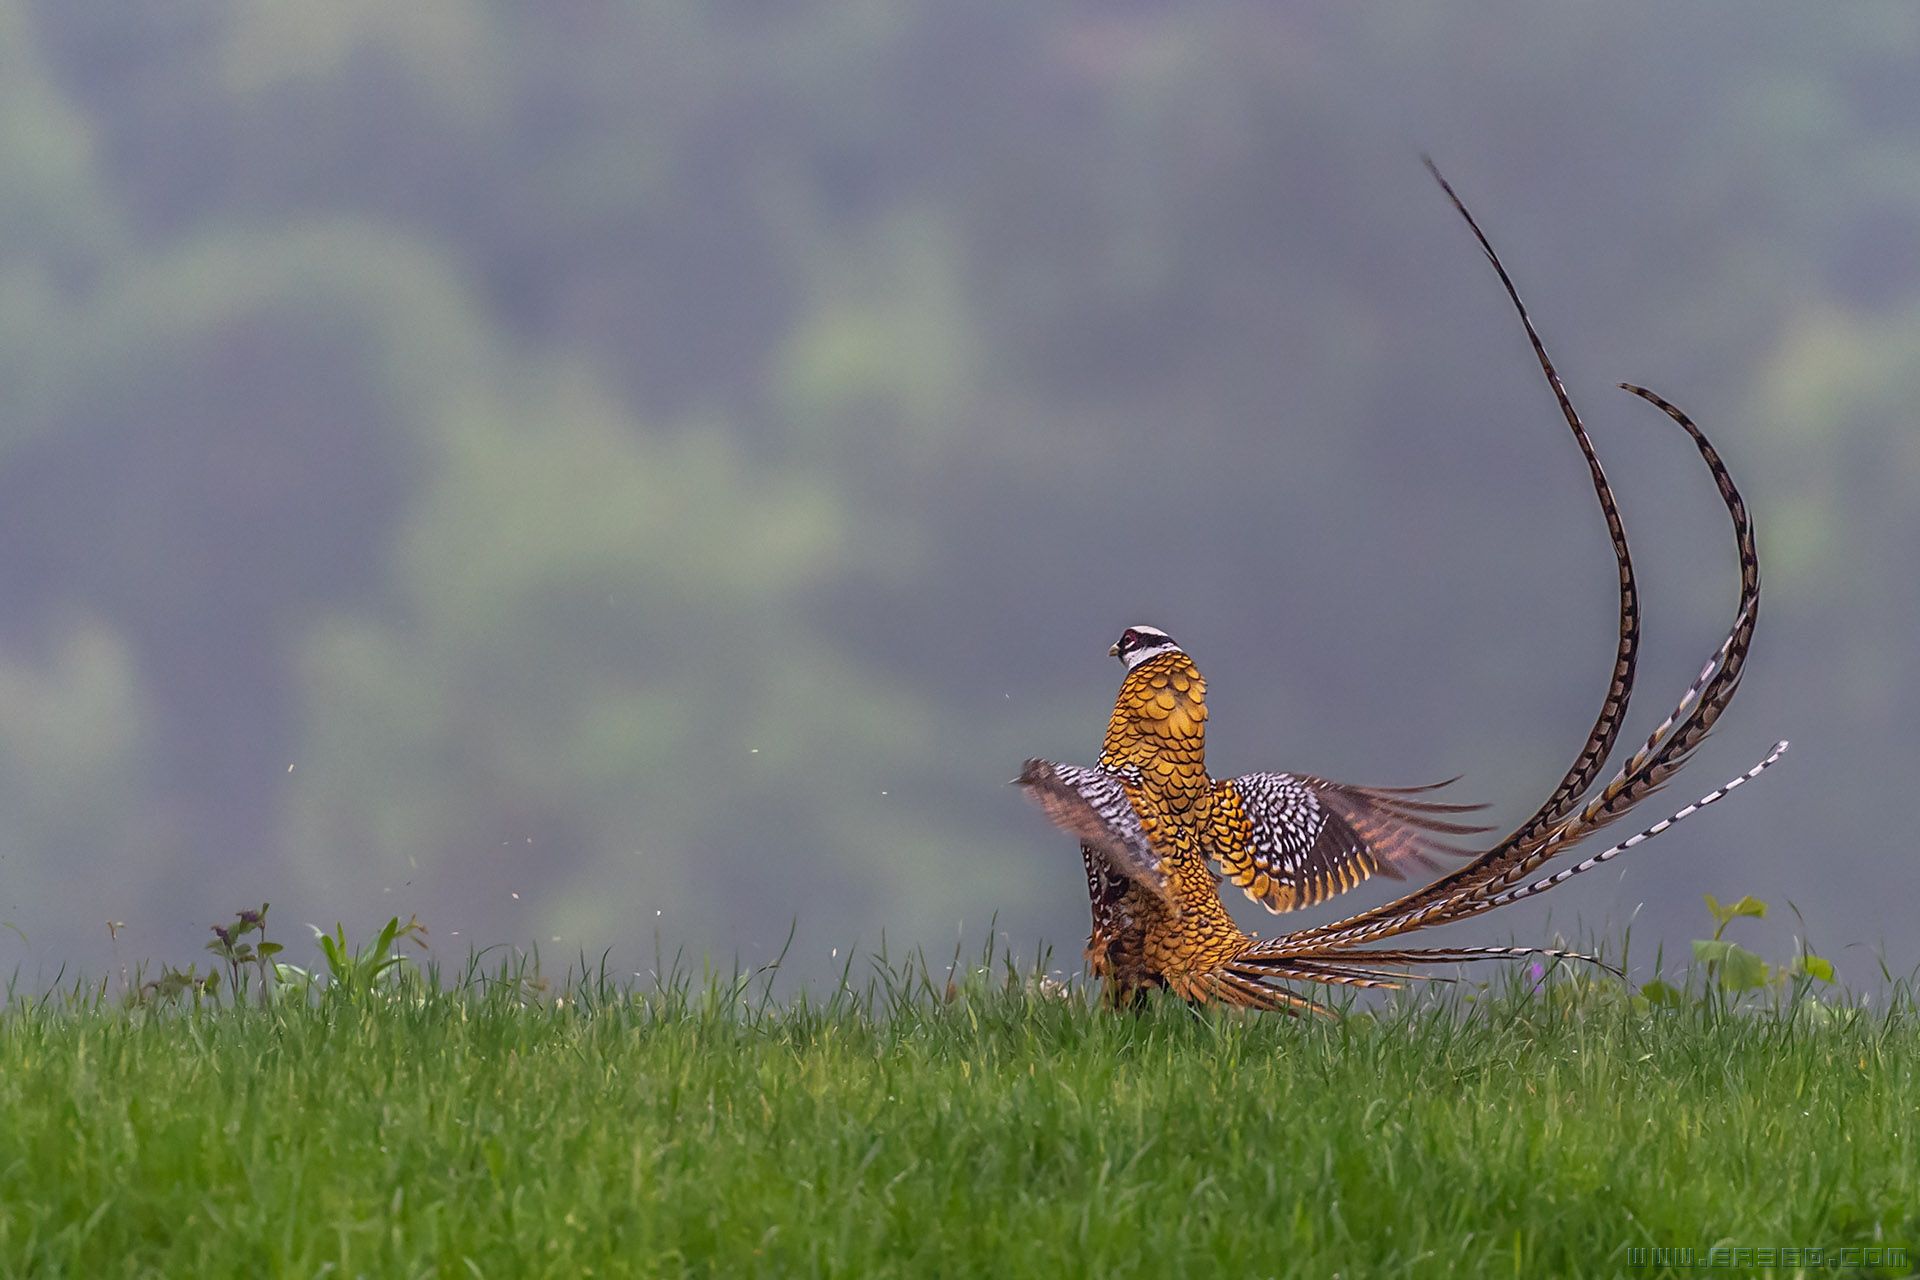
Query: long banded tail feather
(1647,771)
(1467,891)
(1614,851)
(1593,753)
(1632,784)
(1352,975)
(1425,955)
(1462,955)
(1601,738)
(1640,777)
(1665,754)
(1247,993)
(1640,757)
(1361,968)
(1355,958)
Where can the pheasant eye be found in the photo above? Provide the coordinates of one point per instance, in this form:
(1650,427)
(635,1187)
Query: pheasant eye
(1128,639)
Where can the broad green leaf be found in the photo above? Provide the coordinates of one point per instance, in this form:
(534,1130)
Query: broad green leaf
(1738,968)
(1745,971)
(1710,950)
(1819,968)
(1662,995)
(1726,913)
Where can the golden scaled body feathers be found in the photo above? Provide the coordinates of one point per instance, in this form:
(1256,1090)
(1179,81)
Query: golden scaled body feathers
(1157,735)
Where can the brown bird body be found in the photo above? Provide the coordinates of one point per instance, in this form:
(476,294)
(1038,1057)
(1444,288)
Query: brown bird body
(1156,745)
(1149,817)
(1287,840)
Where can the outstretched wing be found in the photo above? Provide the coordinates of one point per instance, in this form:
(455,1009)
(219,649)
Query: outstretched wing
(1092,804)
(1292,840)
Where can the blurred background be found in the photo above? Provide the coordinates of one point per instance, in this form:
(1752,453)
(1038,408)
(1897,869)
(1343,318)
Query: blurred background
(591,473)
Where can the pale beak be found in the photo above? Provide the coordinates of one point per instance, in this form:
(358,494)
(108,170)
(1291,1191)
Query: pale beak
(1114,652)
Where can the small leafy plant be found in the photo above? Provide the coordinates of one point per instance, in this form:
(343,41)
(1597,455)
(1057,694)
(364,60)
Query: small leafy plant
(1730,966)
(1731,970)
(356,973)
(230,944)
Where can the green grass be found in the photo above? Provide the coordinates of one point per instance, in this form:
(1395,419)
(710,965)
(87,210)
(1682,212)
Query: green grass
(490,1131)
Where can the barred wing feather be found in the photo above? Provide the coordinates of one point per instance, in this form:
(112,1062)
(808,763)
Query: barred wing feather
(1092,804)
(1293,840)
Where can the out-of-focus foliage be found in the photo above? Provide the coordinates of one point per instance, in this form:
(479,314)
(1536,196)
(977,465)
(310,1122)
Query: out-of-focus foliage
(679,458)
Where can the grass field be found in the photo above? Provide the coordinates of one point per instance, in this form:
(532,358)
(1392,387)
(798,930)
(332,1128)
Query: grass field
(499,1129)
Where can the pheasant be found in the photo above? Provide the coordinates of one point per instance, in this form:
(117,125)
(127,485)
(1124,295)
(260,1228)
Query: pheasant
(1148,817)
(1288,840)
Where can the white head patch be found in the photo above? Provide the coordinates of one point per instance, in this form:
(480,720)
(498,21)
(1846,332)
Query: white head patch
(1138,643)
